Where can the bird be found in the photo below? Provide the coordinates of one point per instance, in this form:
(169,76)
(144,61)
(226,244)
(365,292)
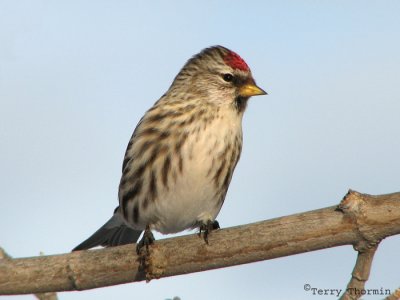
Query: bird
(182,154)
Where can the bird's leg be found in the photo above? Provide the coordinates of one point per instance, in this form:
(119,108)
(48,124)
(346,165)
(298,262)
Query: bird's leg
(206,228)
(146,240)
(146,261)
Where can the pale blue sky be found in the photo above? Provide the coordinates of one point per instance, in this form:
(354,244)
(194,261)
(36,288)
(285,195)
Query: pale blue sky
(76,76)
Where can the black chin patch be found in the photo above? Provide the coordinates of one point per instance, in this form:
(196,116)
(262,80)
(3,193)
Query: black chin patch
(240,103)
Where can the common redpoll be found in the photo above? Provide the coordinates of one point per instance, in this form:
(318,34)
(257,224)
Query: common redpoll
(181,157)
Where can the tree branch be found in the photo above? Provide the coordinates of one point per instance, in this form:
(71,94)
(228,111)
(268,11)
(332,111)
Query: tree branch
(352,206)
(41,296)
(365,219)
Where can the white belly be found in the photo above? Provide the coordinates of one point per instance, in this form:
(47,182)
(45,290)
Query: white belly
(192,197)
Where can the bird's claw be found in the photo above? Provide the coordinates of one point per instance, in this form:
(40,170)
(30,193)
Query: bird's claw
(206,228)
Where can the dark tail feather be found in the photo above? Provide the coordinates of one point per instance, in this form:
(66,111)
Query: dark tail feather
(115,232)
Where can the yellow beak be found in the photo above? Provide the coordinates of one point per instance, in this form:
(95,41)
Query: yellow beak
(250,89)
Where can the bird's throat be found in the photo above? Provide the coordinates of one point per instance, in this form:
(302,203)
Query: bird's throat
(241,103)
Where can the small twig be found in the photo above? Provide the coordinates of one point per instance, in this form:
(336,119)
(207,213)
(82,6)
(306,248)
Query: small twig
(394,296)
(360,274)
(47,296)
(3,254)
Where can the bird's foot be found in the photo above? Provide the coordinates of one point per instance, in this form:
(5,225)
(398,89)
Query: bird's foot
(206,228)
(146,240)
(151,262)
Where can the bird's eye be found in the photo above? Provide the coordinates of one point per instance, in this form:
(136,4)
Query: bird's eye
(228,77)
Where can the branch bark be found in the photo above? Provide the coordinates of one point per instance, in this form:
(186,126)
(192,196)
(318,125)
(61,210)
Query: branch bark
(40,296)
(360,274)
(352,207)
(362,219)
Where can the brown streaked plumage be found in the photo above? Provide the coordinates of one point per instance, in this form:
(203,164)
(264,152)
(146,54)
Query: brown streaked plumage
(180,159)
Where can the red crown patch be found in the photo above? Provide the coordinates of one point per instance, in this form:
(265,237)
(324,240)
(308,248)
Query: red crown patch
(235,61)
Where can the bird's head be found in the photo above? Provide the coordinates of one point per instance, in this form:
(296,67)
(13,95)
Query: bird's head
(217,76)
